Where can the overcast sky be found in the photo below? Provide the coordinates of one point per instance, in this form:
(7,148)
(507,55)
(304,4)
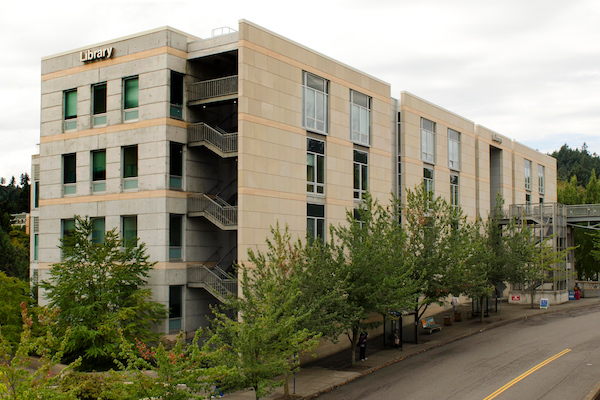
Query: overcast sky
(528,69)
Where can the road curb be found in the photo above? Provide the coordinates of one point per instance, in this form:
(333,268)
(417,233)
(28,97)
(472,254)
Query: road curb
(592,396)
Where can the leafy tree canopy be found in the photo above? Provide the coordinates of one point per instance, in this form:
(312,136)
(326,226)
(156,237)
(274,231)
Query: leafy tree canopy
(98,287)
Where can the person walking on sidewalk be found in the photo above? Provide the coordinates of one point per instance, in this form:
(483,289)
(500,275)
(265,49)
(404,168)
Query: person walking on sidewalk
(362,345)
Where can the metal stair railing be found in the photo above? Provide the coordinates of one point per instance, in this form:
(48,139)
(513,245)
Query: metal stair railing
(217,282)
(213,88)
(201,132)
(223,214)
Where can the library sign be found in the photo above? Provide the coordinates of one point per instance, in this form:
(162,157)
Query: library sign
(89,55)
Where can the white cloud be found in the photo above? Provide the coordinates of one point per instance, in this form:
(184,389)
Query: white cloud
(527,69)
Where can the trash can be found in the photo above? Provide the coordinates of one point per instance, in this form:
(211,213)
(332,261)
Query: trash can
(457,316)
(447,320)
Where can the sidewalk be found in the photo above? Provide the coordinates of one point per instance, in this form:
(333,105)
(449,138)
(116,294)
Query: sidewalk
(327,373)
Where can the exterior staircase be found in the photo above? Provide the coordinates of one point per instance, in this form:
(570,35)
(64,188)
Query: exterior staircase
(214,280)
(213,208)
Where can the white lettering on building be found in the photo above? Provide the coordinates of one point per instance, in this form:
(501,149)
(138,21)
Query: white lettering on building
(90,55)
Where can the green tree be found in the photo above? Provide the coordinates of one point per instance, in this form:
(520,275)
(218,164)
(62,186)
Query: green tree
(370,270)
(437,243)
(98,287)
(182,372)
(13,293)
(257,346)
(14,254)
(16,379)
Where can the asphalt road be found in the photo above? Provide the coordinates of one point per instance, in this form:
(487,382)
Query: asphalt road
(553,356)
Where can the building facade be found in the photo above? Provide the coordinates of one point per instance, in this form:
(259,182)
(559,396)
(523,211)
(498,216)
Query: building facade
(199,146)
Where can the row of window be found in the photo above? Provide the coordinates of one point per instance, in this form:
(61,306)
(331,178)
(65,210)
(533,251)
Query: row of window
(129,167)
(130,102)
(428,144)
(541,176)
(315,109)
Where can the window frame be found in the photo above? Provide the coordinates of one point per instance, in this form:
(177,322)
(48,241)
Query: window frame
(175,318)
(360,174)
(131,110)
(315,150)
(98,185)
(428,140)
(315,216)
(176,98)
(359,112)
(541,178)
(428,182)
(176,246)
(99,116)
(69,177)
(130,180)
(124,230)
(455,190)
(98,226)
(527,173)
(175,180)
(310,102)
(454,147)
(70,104)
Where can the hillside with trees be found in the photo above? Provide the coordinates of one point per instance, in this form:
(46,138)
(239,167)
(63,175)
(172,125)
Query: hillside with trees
(14,242)
(578,184)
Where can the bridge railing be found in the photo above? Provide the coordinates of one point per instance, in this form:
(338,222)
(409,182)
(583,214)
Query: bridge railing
(583,210)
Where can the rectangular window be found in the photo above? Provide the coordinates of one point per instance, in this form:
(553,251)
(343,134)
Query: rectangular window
(528,203)
(541,178)
(315,166)
(175,165)
(361,173)
(68,227)
(176,110)
(130,167)
(129,229)
(69,173)
(399,151)
(98,229)
(36,194)
(453,149)
(454,191)
(315,221)
(36,246)
(315,108)
(99,104)
(70,110)
(360,118)
(99,171)
(130,99)
(175,236)
(175,307)
(428,180)
(427,140)
(527,174)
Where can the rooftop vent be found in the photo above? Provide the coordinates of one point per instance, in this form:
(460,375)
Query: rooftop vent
(225,30)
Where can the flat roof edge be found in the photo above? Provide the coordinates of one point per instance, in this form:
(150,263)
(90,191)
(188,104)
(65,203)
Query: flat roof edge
(120,39)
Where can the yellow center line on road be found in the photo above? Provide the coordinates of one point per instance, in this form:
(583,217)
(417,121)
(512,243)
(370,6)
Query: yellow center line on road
(526,374)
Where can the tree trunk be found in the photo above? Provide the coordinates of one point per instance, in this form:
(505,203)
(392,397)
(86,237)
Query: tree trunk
(256,392)
(286,385)
(481,308)
(353,343)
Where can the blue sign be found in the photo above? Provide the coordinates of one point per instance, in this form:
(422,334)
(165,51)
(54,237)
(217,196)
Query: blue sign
(571,295)
(543,303)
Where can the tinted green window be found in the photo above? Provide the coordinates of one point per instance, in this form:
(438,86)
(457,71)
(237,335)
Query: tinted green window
(68,226)
(131,93)
(69,168)
(99,99)
(175,226)
(176,88)
(130,157)
(98,226)
(71,104)
(130,229)
(99,165)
